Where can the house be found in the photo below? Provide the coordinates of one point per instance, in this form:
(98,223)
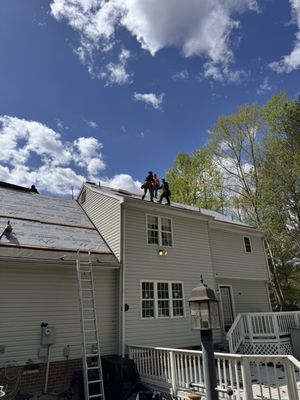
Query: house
(147,258)
(39,285)
(163,251)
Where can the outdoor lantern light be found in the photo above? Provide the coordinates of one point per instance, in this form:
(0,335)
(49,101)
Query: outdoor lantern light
(204,308)
(162,252)
(205,317)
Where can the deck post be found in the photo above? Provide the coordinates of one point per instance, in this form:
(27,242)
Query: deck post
(246,377)
(173,373)
(250,329)
(276,329)
(291,380)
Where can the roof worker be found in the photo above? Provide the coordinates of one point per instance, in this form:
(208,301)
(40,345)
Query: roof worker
(7,231)
(148,185)
(33,189)
(166,192)
(156,185)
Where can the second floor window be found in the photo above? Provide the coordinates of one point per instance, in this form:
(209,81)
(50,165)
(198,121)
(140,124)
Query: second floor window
(247,244)
(159,231)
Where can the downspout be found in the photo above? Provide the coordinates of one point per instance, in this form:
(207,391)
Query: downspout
(122,280)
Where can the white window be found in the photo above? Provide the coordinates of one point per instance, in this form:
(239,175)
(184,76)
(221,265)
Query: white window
(147,300)
(247,244)
(83,197)
(162,299)
(159,231)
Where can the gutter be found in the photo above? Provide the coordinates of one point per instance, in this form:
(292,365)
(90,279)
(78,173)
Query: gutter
(58,261)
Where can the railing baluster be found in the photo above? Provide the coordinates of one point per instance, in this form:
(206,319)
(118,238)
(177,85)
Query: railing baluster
(237,378)
(276,381)
(176,368)
(269,381)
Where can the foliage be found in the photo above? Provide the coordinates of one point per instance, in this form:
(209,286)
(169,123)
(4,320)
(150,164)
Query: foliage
(195,180)
(251,168)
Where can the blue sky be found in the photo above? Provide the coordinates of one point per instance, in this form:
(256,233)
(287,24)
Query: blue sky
(107,90)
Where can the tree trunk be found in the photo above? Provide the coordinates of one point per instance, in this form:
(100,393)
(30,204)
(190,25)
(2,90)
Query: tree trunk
(275,281)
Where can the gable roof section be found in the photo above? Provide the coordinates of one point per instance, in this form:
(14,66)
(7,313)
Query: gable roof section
(49,223)
(216,219)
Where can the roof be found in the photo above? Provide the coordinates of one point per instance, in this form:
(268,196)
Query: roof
(214,215)
(46,222)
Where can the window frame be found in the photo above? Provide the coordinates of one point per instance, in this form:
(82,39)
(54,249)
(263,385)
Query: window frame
(83,197)
(159,230)
(156,299)
(245,246)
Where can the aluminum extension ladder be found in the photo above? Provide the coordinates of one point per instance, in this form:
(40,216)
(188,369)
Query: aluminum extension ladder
(91,358)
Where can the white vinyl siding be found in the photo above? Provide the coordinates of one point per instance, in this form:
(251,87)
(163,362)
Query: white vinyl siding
(248,295)
(31,294)
(230,258)
(184,262)
(105,213)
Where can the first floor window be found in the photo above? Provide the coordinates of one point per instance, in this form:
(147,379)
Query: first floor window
(148,300)
(162,299)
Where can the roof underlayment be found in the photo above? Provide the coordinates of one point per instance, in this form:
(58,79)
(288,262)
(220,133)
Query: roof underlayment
(48,223)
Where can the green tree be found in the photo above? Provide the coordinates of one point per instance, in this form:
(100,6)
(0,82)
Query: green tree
(282,189)
(196,180)
(237,143)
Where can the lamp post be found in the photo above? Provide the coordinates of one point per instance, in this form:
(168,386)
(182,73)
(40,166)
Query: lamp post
(205,317)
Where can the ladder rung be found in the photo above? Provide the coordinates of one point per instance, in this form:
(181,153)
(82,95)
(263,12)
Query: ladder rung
(95,367)
(96,381)
(86,280)
(92,355)
(93,396)
(87,289)
(89,330)
(91,342)
(87,299)
(89,319)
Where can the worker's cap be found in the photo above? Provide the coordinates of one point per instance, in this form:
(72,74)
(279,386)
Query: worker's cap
(149,172)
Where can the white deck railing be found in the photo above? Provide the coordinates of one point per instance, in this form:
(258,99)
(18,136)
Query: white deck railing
(255,327)
(250,377)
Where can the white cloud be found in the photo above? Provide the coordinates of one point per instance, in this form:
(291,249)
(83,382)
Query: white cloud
(291,61)
(181,75)
(123,181)
(150,98)
(115,73)
(264,87)
(92,124)
(88,155)
(196,28)
(32,153)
